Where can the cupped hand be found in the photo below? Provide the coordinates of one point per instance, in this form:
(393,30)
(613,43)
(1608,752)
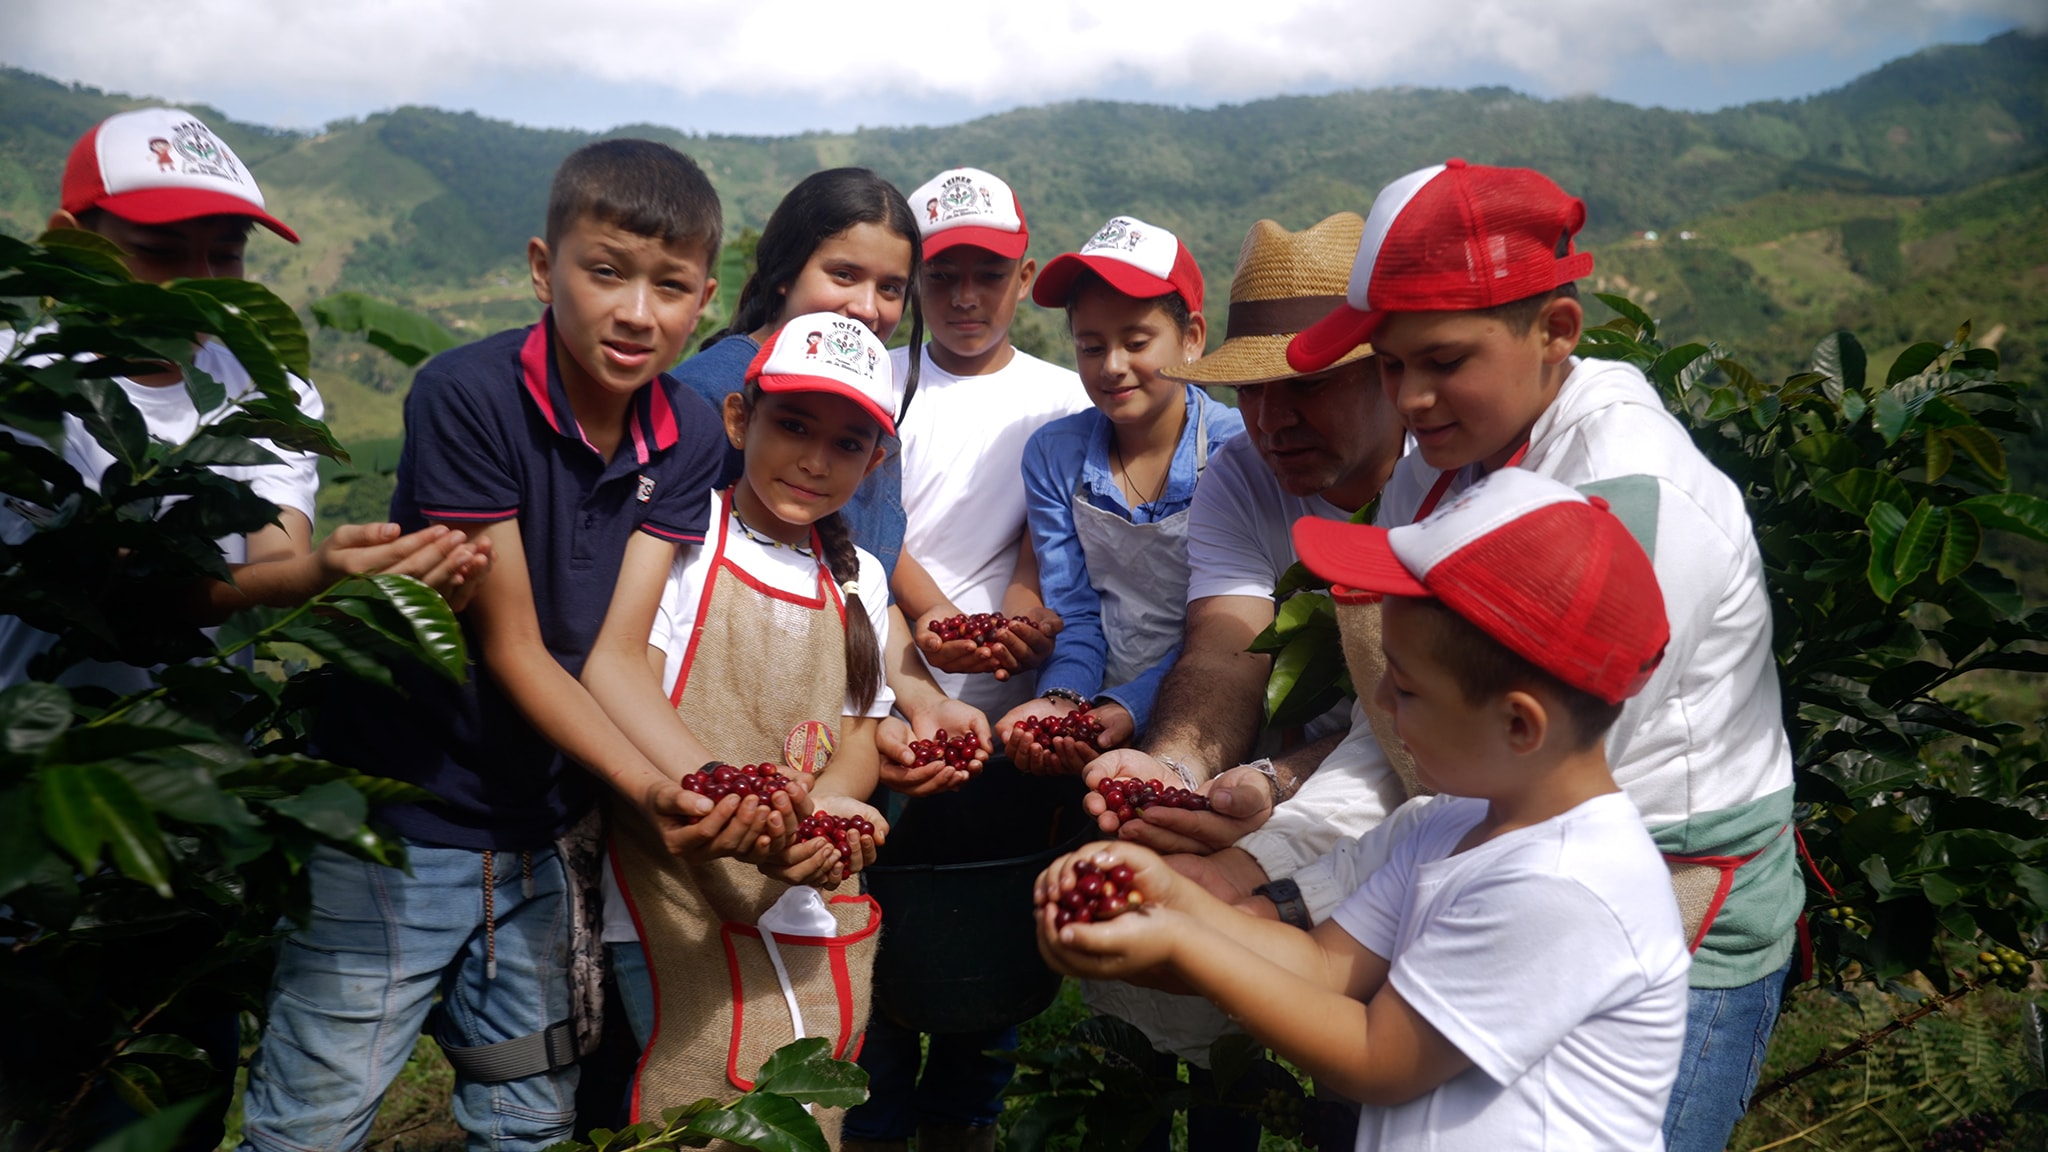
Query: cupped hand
(1122,762)
(1125,945)
(1240,803)
(1021,647)
(899,767)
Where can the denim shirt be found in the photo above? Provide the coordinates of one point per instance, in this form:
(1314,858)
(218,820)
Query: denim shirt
(874,515)
(1073,452)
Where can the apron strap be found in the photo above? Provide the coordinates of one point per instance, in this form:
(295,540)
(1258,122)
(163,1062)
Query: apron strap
(796,1014)
(1727,867)
(1443,484)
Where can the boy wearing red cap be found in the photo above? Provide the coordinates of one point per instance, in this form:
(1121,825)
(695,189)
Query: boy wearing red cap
(1514,976)
(178,203)
(979,398)
(1463,286)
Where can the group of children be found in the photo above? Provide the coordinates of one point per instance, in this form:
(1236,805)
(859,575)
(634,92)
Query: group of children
(740,586)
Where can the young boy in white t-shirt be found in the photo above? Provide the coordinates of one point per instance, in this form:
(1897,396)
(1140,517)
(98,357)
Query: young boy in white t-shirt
(1515,975)
(979,398)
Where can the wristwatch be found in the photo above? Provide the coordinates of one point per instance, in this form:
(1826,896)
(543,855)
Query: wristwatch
(1286,896)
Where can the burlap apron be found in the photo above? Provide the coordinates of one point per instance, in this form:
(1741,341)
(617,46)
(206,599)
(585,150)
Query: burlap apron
(762,666)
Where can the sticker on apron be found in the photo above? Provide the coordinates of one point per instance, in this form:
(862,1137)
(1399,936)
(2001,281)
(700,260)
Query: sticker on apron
(808,747)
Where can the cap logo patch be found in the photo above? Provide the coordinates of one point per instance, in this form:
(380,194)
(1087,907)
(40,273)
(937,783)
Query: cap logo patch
(201,152)
(959,197)
(1119,234)
(842,347)
(162,148)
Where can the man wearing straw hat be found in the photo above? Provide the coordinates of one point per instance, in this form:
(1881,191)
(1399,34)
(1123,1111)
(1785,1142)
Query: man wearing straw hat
(1316,444)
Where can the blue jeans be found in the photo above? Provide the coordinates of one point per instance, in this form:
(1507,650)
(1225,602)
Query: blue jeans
(354,986)
(1726,1033)
(636,989)
(960,1085)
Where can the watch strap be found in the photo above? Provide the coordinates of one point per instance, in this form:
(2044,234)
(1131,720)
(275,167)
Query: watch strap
(1286,896)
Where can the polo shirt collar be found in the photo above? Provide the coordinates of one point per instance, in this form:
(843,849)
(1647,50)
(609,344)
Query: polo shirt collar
(653,418)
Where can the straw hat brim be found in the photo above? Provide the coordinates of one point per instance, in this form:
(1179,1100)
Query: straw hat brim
(1250,360)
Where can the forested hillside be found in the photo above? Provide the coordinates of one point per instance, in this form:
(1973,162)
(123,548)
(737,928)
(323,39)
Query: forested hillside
(1899,204)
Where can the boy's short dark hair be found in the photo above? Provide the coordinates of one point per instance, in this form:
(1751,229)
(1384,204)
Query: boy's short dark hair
(1174,303)
(644,187)
(1520,315)
(1484,668)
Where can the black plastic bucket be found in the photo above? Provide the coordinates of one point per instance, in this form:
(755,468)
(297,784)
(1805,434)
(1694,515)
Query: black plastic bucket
(959,951)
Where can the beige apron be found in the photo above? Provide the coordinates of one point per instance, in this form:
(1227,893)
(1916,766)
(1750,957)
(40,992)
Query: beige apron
(761,665)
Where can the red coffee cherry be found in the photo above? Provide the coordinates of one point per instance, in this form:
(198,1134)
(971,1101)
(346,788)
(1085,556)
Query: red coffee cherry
(957,751)
(981,627)
(840,831)
(1126,797)
(762,780)
(1097,895)
(1075,725)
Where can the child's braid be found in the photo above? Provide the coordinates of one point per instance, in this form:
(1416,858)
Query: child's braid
(863,648)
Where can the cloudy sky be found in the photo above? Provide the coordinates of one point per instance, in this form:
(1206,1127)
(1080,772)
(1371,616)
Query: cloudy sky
(779,66)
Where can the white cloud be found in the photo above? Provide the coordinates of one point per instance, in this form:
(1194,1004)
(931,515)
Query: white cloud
(369,54)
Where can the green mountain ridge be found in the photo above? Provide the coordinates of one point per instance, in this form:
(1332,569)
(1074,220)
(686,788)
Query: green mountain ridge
(1902,202)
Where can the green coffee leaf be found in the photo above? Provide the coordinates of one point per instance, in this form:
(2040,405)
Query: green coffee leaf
(1840,357)
(1917,542)
(334,809)
(33,716)
(405,334)
(766,1122)
(1912,362)
(434,627)
(1886,523)
(2010,512)
(1889,416)
(805,1072)
(1960,540)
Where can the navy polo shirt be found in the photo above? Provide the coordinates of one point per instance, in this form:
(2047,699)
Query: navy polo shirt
(489,437)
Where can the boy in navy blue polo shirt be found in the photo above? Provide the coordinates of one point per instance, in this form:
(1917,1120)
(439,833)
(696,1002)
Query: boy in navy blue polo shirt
(585,466)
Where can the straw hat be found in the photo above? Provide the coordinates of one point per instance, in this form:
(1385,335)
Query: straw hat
(1285,282)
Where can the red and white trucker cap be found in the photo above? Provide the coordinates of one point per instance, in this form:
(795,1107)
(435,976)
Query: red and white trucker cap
(826,352)
(1454,238)
(1138,259)
(969,206)
(162,166)
(1549,572)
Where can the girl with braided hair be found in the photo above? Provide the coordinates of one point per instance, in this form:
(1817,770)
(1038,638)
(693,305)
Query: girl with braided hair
(768,646)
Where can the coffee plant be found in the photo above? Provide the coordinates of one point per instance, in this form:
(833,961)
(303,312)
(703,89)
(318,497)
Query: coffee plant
(152,844)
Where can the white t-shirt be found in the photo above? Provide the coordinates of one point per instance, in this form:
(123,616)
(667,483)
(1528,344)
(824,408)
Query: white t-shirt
(963,486)
(1552,957)
(1240,528)
(169,414)
(780,568)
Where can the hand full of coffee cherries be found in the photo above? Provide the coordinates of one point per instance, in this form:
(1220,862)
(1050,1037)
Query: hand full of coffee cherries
(1125,797)
(1075,725)
(980,627)
(957,751)
(1097,895)
(839,831)
(760,780)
